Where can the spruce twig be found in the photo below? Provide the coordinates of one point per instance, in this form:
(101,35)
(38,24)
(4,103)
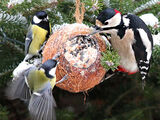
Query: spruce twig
(9,39)
(146,6)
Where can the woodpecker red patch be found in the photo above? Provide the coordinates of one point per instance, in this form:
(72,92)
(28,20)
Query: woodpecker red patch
(117,11)
(124,70)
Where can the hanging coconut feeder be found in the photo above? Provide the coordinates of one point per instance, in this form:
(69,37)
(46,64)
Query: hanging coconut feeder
(79,57)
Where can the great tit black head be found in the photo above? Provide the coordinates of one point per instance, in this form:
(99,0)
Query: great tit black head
(41,19)
(49,67)
(41,15)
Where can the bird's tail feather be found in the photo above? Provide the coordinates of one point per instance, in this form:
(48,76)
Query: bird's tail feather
(18,88)
(42,106)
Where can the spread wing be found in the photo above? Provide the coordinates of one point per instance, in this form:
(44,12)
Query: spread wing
(28,40)
(17,88)
(42,105)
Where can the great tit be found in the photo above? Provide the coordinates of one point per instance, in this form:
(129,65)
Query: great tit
(35,83)
(38,32)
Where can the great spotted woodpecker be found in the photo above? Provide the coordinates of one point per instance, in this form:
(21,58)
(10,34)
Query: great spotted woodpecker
(130,37)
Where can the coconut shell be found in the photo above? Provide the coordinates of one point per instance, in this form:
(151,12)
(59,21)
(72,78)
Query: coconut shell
(81,64)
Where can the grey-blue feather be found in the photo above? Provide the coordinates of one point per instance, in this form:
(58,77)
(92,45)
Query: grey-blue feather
(28,39)
(18,88)
(42,105)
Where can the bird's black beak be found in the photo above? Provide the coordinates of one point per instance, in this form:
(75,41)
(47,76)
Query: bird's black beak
(45,19)
(97,28)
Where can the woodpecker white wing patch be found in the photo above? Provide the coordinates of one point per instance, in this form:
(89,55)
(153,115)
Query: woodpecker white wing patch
(146,43)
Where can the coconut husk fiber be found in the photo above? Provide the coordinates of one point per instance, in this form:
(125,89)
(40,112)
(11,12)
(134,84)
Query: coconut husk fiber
(79,57)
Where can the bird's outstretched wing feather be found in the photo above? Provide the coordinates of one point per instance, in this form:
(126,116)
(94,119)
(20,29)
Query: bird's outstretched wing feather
(41,106)
(18,88)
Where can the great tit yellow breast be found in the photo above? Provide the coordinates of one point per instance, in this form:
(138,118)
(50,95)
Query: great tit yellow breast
(39,36)
(50,28)
(37,79)
(53,82)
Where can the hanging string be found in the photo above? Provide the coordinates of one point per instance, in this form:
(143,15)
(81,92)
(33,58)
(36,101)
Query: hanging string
(79,12)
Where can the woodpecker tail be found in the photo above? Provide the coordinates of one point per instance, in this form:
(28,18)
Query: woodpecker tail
(42,106)
(18,88)
(144,67)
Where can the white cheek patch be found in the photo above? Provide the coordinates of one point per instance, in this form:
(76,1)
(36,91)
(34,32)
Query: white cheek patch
(52,72)
(146,43)
(36,19)
(114,21)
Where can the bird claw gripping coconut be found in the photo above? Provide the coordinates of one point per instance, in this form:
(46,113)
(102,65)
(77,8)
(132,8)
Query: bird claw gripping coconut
(79,56)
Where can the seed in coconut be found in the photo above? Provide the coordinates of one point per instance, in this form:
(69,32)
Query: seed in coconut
(81,51)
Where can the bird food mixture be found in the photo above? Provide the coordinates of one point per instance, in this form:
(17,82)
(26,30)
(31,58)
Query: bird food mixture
(81,51)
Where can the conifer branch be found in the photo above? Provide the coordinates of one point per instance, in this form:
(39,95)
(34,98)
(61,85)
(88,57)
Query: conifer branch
(146,6)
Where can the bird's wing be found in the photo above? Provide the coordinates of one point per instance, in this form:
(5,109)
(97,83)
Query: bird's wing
(18,88)
(143,51)
(42,105)
(28,40)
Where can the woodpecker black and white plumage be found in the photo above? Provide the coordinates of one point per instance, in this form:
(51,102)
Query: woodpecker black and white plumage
(130,37)
(38,33)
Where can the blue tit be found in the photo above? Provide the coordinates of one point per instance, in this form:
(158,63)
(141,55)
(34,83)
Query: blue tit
(35,83)
(38,33)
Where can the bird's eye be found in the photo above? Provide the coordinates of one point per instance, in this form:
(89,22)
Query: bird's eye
(106,23)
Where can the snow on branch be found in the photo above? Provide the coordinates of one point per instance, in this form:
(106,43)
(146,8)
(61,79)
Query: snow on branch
(146,6)
(11,3)
(12,18)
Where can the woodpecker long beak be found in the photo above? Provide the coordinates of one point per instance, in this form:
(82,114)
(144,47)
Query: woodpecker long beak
(94,32)
(98,28)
